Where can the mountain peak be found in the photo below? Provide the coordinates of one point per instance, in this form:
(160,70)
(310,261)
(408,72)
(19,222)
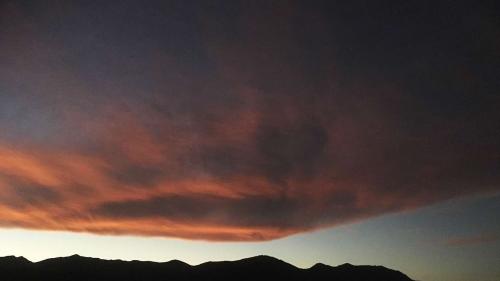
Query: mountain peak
(263,258)
(320,266)
(346,265)
(266,260)
(177,263)
(16,259)
(77,257)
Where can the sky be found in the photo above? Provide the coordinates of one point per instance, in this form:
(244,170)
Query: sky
(313,131)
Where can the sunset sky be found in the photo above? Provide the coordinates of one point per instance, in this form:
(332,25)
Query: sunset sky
(313,131)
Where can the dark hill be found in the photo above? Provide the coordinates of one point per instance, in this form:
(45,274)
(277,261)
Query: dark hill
(77,268)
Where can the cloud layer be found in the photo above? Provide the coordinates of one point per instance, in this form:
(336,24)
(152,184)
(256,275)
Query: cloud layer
(243,121)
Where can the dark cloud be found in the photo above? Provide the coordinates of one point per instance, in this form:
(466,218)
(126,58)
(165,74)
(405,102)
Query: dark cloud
(21,194)
(36,195)
(252,211)
(290,150)
(243,120)
(136,174)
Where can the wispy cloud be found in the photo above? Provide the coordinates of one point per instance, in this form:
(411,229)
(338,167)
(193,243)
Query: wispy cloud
(474,239)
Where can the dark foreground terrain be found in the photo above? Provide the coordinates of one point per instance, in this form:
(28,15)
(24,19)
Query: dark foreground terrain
(76,268)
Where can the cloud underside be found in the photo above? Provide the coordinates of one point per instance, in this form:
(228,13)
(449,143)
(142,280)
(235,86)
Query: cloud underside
(241,180)
(212,134)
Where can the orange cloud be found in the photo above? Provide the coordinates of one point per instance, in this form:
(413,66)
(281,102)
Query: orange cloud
(278,179)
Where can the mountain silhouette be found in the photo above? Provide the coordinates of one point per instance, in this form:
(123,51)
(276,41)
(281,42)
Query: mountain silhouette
(78,268)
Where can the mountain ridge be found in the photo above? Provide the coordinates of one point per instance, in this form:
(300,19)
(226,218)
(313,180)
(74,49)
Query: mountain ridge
(76,267)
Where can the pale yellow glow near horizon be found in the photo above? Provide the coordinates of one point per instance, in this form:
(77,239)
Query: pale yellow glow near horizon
(37,245)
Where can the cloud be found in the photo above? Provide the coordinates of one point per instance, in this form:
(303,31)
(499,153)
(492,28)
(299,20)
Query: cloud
(275,122)
(250,211)
(473,240)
